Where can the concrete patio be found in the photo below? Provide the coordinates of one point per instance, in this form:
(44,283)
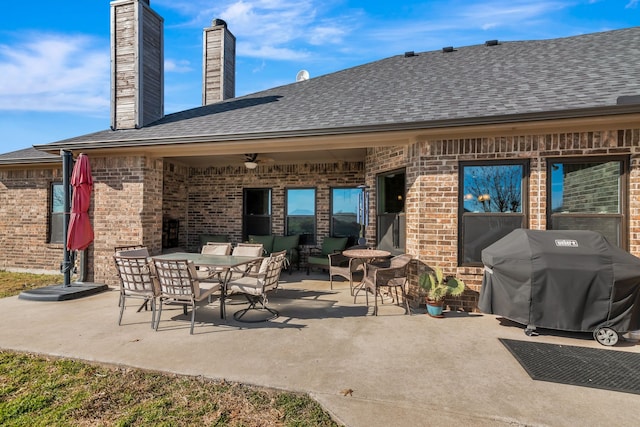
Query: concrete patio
(401,370)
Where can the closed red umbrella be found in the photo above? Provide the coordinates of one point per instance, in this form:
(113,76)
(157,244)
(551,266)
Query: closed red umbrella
(80,233)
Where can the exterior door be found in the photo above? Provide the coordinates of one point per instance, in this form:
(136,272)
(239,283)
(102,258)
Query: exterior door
(256,218)
(391,219)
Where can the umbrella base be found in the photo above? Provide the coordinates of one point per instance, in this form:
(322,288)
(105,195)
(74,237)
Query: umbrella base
(63,293)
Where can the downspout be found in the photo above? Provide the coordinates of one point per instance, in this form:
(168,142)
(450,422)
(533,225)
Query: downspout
(540,183)
(82,261)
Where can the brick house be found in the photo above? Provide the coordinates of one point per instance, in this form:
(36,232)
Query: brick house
(457,147)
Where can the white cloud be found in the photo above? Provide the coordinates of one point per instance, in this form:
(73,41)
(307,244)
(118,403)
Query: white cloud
(271,52)
(500,13)
(462,23)
(259,68)
(322,35)
(289,30)
(177,66)
(337,33)
(283,29)
(49,72)
(631,4)
(489,26)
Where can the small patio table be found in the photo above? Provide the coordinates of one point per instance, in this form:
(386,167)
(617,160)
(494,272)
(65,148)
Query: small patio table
(223,262)
(367,255)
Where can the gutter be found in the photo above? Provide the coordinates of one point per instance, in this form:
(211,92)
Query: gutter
(29,161)
(348,130)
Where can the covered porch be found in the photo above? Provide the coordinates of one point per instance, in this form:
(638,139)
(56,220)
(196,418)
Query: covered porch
(169,199)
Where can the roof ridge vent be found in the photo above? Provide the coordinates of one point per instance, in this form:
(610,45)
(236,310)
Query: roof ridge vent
(448,49)
(628,100)
(491,43)
(410,54)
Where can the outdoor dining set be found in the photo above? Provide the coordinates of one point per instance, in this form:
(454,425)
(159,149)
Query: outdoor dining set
(221,269)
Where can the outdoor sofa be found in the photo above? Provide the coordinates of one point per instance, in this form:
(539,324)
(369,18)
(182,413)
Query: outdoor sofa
(280,243)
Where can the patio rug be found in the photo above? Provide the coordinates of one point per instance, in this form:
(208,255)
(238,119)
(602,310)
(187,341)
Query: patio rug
(588,367)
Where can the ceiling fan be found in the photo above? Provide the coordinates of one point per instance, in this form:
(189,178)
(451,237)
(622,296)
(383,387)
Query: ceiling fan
(251,160)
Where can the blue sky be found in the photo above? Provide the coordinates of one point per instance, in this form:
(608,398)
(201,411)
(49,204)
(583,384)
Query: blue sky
(54,55)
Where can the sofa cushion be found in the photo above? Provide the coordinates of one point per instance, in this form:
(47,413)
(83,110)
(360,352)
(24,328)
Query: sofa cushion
(318,260)
(217,238)
(285,243)
(333,244)
(267,242)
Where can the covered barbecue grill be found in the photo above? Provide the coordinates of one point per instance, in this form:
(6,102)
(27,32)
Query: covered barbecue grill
(564,280)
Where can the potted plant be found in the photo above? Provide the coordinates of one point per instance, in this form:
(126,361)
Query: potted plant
(437,287)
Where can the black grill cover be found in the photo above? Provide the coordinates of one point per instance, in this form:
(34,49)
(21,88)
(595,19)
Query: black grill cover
(566,280)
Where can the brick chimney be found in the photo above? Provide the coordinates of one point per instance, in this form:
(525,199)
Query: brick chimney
(137,64)
(218,63)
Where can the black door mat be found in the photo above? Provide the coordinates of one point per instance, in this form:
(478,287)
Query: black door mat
(588,367)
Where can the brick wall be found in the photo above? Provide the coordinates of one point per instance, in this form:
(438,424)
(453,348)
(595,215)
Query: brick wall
(215,195)
(380,160)
(434,212)
(132,194)
(175,198)
(24,215)
(126,208)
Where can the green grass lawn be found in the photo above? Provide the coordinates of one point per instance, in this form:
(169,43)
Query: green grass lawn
(14,283)
(50,391)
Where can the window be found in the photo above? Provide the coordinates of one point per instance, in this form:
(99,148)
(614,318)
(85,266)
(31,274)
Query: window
(491,206)
(587,194)
(56,216)
(301,214)
(344,212)
(256,219)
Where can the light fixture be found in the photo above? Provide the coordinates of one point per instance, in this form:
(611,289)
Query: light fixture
(250,165)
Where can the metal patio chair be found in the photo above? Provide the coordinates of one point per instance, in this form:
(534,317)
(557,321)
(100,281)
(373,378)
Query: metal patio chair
(247,249)
(256,286)
(213,248)
(136,280)
(178,284)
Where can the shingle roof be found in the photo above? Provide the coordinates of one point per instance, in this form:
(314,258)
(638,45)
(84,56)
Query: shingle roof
(28,155)
(482,82)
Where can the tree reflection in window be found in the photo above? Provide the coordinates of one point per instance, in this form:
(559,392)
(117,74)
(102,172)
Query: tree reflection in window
(491,196)
(493,188)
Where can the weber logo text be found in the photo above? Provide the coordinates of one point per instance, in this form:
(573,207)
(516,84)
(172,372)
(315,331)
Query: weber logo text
(567,243)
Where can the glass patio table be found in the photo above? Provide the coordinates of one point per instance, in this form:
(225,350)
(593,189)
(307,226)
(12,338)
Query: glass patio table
(219,262)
